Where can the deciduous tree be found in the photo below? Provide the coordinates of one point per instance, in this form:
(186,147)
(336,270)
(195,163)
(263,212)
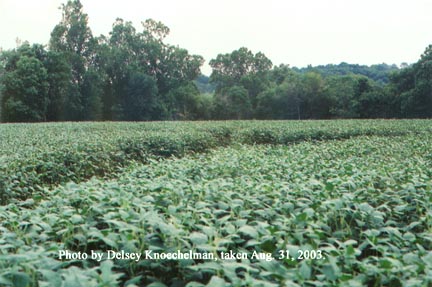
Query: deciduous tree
(25,89)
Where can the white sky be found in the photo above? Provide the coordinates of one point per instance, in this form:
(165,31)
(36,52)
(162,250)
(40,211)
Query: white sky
(297,33)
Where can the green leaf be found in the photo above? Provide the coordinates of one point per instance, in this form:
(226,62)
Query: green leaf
(53,278)
(5,281)
(76,218)
(331,270)
(216,282)
(20,279)
(329,186)
(428,259)
(198,238)
(195,284)
(249,231)
(75,277)
(107,276)
(156,284)
(133,281)
(305,270)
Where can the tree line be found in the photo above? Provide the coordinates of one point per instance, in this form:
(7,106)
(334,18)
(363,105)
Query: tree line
(135,75)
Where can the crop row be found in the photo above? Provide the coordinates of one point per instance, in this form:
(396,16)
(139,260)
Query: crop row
(34,156)
(364,203)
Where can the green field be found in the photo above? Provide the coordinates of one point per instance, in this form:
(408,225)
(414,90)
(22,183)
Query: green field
(296,203)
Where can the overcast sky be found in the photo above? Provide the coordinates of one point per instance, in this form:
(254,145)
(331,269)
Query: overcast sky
(297,33)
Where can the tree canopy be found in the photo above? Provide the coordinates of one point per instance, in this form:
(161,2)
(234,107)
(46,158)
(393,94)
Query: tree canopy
(132,74)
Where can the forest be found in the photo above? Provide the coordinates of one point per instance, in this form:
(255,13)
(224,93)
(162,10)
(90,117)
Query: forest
(134,75)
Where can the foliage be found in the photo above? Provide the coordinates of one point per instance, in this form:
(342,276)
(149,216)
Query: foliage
(144,71)
(140,101)
(294,95)
(72,39)
(413,86)
(203,84)
(239,77)
(135,75)
(379,73)
(36,156)
(229,69)
(42,155)
(365,202)
(25,85)
(233,103)
(129,75)
(59,75)
(284,100)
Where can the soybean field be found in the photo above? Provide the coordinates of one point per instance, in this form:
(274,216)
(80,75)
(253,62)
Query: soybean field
(235,203)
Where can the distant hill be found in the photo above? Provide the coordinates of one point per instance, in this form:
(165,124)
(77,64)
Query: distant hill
(380,72)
